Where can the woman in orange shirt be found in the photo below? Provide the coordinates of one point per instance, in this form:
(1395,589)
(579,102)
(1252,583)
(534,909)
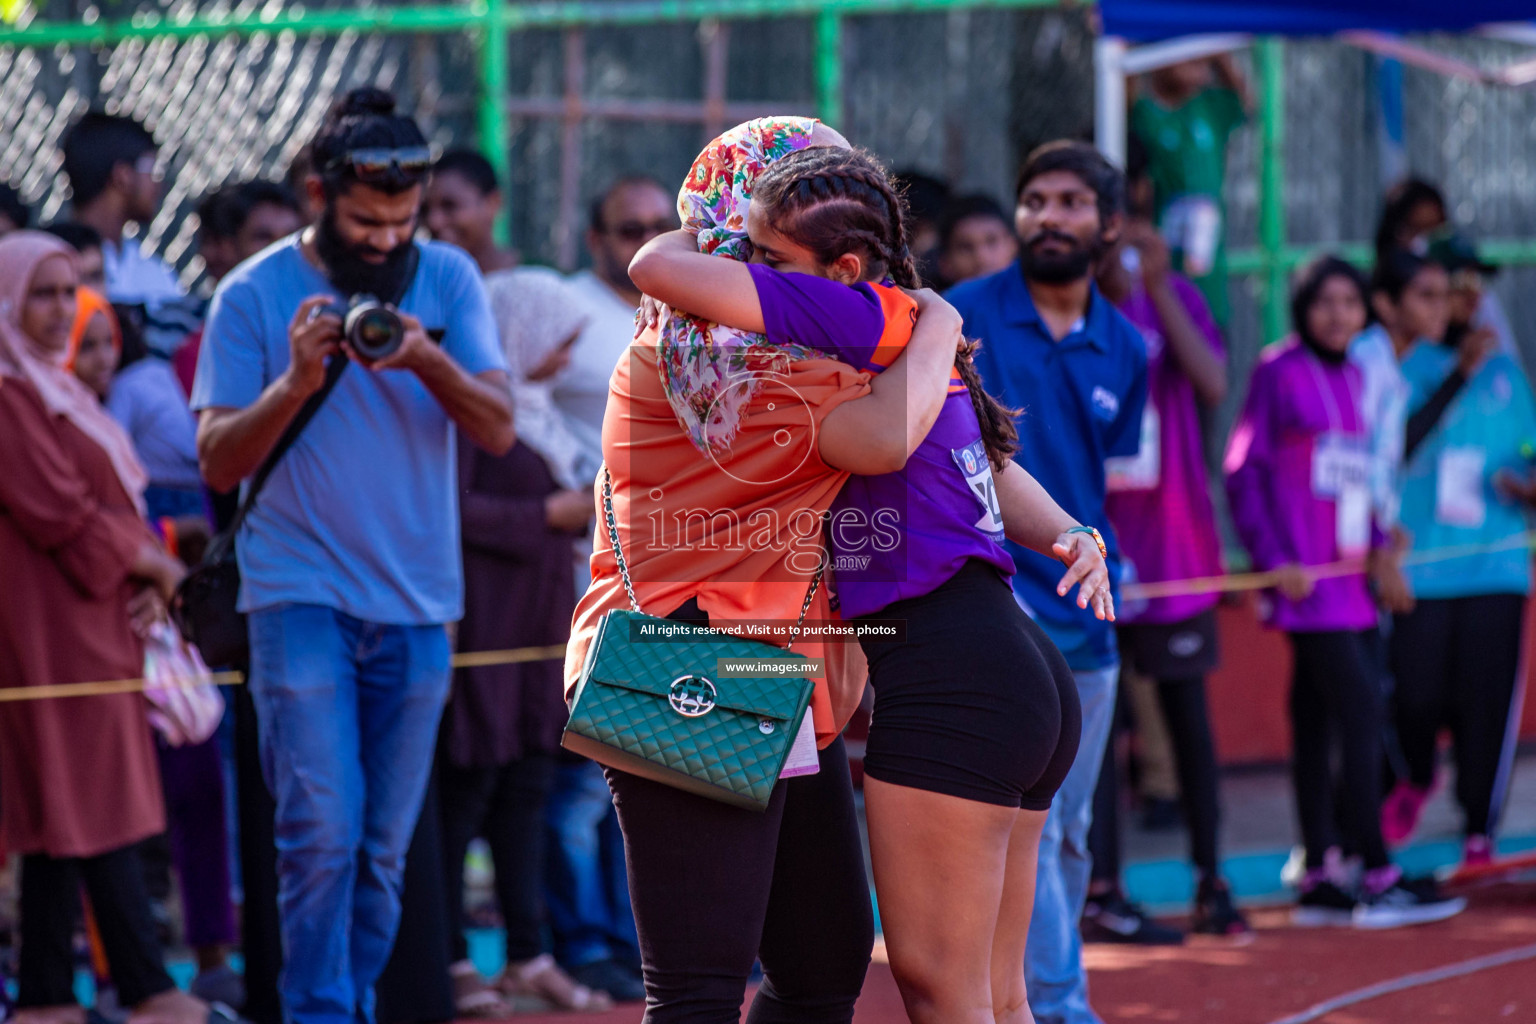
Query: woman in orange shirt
(715,887)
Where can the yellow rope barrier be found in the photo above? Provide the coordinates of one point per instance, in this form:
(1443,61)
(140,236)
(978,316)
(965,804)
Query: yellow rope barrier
(98,689)
(106,687)
(1236,582)
(515,656)
(1244,581)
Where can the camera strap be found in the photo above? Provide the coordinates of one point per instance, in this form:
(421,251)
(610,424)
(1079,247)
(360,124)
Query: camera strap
(221,545)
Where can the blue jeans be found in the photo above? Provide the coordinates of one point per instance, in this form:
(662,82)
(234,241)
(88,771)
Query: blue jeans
(1053,961)
(586,891)
(348,713)
(170,502)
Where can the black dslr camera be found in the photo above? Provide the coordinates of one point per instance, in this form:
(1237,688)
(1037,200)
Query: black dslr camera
(374,330)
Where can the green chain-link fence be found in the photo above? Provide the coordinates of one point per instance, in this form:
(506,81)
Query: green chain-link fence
(565,96)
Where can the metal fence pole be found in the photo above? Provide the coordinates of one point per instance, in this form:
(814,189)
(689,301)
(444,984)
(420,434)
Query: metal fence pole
(1271,59)
(492,112)
(567,226)
(1110,113)
(829,68)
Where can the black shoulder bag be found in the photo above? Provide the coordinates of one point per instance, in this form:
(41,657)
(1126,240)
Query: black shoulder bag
(204,605)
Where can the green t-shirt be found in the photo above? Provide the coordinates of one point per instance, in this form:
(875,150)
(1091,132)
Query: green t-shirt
(1187,162)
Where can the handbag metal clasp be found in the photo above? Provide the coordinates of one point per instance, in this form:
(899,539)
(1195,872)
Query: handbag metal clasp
(692,696)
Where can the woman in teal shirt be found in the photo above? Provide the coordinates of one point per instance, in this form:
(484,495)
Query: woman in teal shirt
(1467,487)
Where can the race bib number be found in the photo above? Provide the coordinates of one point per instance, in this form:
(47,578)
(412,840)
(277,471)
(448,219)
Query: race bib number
(1459,477)
(1339,463)
(973,465)
(1144,470)
(1352,510)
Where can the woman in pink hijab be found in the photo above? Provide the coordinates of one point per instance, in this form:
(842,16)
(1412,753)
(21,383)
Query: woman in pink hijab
(85,577)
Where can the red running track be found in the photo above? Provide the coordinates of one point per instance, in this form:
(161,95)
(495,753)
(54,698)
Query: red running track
(1282,972)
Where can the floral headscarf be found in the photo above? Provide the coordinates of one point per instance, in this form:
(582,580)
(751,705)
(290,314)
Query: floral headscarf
(710,371)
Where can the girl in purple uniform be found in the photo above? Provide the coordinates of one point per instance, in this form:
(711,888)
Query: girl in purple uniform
(976,716)
(1298,476)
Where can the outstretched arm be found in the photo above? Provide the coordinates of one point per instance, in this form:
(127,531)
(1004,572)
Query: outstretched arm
(1032,519)
(671,270)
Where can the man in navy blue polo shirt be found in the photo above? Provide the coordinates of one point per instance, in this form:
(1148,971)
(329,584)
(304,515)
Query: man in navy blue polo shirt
(1056,349)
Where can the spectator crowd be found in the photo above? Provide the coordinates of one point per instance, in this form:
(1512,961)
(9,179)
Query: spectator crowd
(440,498)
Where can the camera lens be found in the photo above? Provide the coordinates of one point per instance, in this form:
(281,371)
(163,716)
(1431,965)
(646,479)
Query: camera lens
(375,332)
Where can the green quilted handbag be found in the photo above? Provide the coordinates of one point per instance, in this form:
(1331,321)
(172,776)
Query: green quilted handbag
(656,707)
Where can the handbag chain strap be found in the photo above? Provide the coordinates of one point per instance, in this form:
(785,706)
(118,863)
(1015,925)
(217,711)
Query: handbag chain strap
(629,586)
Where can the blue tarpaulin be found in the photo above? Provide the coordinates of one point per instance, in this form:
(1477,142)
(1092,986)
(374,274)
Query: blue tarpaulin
(1151,20)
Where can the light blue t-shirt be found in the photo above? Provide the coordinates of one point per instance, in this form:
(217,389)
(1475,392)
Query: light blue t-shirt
(1449,498)
(147,400)
(362,513)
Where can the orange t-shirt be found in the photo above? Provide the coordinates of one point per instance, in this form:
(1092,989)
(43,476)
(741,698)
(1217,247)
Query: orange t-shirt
(740,532)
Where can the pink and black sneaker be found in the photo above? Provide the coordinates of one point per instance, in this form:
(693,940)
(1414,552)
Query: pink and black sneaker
(1477,852)
(1401,810)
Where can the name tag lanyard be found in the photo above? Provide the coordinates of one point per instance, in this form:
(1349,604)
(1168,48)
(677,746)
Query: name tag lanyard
(1335,415)
(1352,506)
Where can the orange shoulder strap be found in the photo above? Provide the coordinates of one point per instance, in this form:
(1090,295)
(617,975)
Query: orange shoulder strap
(900,318)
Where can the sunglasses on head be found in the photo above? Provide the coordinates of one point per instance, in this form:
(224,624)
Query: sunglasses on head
(382,164)
(639,231)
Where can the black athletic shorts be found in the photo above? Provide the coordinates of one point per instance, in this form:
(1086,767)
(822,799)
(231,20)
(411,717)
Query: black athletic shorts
(976,702)
(1172,650)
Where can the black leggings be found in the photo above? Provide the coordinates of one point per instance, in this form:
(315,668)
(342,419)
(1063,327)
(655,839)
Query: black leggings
(1456,663)
(1336,703)
(716,887)
(505,804)
(260,932)
(1194,754)
(50,906)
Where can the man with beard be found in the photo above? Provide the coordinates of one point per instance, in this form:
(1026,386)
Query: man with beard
(1054,347)
(350,561)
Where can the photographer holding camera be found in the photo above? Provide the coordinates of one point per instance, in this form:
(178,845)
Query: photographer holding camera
(349,560)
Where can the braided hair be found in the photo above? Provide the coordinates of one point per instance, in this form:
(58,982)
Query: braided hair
(834,201)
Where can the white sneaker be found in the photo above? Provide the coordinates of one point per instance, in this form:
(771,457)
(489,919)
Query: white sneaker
(1295,870)
(1407,901)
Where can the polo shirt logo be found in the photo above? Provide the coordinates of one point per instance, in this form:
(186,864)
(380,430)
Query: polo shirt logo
(1105,402)
(1501,390)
